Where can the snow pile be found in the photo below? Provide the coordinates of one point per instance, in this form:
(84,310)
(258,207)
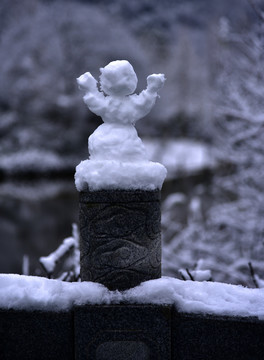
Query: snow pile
(33,159)
(119,175)
(200,297)
(28,292)
(32,292)
(118,158)
(181,156)
(35,190)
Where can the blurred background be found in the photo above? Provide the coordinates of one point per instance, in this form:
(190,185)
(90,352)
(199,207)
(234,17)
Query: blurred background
(207,127)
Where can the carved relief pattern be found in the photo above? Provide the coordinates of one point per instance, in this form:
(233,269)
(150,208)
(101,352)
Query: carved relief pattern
(120,243)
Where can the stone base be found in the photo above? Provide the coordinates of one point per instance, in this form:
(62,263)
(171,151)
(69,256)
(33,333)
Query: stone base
(36,335)
(122,332)
(120,240)
(134,332)
(207,337)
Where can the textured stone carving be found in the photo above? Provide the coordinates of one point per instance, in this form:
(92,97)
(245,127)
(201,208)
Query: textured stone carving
(120,237)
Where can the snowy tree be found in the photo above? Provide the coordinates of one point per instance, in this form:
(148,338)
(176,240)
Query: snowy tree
(232,233)
(240,124)
(44,46)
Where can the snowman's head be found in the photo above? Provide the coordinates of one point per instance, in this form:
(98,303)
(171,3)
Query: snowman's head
(118,78)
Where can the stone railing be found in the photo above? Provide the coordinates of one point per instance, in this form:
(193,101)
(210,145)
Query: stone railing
(135,332)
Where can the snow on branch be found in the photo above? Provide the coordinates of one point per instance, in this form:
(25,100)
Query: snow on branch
(63,263)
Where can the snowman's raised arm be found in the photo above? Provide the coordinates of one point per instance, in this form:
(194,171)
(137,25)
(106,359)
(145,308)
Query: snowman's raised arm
(93,98)
(155,82)
(144,102)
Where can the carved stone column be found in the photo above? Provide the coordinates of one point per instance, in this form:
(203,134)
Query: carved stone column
(120,237)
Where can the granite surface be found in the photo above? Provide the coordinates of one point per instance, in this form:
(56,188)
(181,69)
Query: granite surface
(120,237)
(208,337)
(122,332)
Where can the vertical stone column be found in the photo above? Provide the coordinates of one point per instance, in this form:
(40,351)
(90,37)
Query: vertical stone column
(120,237)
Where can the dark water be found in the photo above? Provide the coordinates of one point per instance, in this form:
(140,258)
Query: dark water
(34,218)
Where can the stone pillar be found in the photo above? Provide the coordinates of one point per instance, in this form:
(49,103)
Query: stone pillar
(120,237)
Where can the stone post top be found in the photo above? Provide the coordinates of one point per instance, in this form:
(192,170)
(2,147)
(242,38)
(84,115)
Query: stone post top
(119,196)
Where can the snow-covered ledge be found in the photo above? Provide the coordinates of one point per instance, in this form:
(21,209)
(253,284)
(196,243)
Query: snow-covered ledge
(37,293)
(164,318)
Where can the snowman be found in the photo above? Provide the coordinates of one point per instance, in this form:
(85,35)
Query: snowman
(117,138)
(116,142)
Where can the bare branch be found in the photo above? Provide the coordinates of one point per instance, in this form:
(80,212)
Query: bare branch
(189,273)
(252,273)
(183,277)
(257,11)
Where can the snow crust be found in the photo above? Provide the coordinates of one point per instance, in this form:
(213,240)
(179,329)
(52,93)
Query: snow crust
(181,156)
(33,159)
(113,174)
(118,158)
(28,292)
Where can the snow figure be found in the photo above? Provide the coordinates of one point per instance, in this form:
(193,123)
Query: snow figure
(118,158)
